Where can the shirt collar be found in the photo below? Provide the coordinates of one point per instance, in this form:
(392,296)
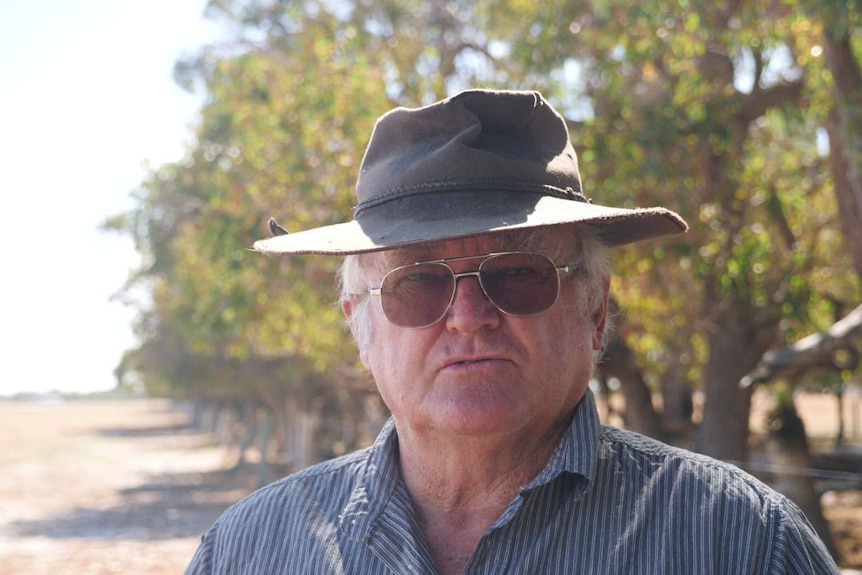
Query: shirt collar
(380,479)
(578,450)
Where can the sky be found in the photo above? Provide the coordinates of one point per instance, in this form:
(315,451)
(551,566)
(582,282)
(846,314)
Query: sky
(86,100)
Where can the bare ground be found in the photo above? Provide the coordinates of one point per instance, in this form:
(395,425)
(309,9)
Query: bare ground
(110,487)
(105,487)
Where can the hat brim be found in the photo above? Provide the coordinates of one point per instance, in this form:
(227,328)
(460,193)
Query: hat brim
(466,215)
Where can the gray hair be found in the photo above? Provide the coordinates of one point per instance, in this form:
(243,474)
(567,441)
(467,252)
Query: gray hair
(359,272)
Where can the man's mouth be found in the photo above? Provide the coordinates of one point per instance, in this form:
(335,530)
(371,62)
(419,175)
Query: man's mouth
(473,361)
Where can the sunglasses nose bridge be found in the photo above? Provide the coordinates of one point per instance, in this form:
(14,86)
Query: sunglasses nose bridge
(458,276)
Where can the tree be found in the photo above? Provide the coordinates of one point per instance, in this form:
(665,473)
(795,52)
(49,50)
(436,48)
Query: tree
(711,109)
(280,135)
(697,106)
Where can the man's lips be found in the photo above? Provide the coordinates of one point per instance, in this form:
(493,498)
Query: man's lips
(470,361)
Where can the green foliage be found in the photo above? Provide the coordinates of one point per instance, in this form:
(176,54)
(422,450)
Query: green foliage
(700,107)
(281,135)
(713,109)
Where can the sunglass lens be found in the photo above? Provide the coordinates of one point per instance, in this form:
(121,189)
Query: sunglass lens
(417,295)
(520,283)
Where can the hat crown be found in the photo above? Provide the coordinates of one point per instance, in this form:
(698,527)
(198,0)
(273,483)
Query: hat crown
(476,141)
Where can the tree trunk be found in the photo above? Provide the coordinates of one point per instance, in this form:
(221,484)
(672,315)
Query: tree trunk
(848,194)
(788,450)
(845,138)
(677,406)
(619,361)
(298,428)
(735,346)
(640,415)
(264,431)
(244,432)
(224,422)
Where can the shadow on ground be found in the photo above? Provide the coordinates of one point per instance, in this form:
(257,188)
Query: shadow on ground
(146,432)
(172,506)
(166,506)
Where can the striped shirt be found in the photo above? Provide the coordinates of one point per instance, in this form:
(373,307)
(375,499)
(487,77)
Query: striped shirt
(609,501)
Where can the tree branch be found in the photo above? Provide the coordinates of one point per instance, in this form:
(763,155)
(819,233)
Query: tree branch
(813,350)
(761,100)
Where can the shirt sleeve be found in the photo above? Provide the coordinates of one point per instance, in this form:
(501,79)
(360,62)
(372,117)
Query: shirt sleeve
(201,563)
(799,550)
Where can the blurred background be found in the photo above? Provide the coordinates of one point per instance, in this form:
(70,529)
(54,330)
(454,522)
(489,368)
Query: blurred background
(145,145)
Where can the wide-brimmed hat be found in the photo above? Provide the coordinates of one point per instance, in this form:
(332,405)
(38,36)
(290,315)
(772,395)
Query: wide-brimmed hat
(477,163)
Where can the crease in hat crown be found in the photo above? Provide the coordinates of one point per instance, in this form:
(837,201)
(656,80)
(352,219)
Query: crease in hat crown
(479,162)
(477,139)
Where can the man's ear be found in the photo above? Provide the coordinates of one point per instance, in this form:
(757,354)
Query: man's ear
(600,316)
(348,306)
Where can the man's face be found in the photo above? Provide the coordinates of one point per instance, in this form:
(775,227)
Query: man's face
(479,371)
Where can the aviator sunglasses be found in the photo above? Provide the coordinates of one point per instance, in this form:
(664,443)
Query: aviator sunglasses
(517,283)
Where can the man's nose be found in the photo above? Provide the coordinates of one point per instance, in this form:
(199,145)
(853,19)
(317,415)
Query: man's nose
(471,310)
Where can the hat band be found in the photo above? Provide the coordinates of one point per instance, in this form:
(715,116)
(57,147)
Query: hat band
(402,192)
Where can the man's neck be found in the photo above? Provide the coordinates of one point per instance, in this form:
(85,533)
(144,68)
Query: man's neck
(461,486)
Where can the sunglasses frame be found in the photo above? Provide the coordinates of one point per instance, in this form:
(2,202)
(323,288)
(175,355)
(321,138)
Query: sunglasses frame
(378,291)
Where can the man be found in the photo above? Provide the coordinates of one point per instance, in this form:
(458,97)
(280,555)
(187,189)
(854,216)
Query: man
(476,286)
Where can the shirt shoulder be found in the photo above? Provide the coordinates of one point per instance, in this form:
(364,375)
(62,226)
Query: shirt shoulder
(646,459)
(702,498)
(281,523)
(624,443)
(325,487)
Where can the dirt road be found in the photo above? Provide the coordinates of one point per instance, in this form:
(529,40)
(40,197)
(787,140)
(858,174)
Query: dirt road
(105,487)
